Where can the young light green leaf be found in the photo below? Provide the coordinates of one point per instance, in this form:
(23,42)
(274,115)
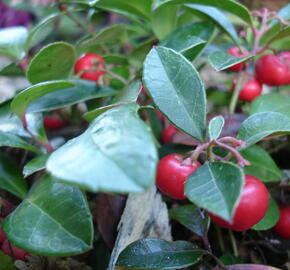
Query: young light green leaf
(215,127)
(24,98)
(12,41)
(219,18)
(159,254)
(221,60)
(177,90)
(216,187)
(260,125)
(108,155)
(192,218)
(82,90)
(10,177)
(53,220)
(262,165)
(53,62)
(272,102)
(271,217)
(35,165)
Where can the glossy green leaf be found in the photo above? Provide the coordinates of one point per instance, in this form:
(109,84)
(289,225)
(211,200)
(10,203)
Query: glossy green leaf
(159,254)
(12,41)
(176,89)
(189,39)
(24,98)
(128,95)
(12,70)
(12,140)
(82,90)
(270,219)
(272,102)
(260,125)
(221,60)
(219,18)
(262,165)
(230,6)
(53,62)
(215,127)
(7,262)
(108,155)
(192,218)
(35,165)
(216,187)
(53,219)
(10,177)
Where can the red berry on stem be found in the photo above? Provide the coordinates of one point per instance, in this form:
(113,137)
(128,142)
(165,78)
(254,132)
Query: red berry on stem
(282,227)
(252,206)
(13,251)
(90,62)
(235,51)
(168,133)
(250,90)
(53,123)
(172,173)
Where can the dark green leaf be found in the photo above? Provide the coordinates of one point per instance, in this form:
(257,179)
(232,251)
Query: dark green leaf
(159,254)
(11,70)
(53,62)
(176,89)
(35,165)
(108,155)
(10,177)
(262,165)
(7,263)
(271,217)
(221,60)
(12,41)
(260,125)
(219,17)
(215,127)
(216,187)
(12,140)
(81,91)
(24,98)
(228,259)
(272,102)
(54,219)
(117,59)
(192,218)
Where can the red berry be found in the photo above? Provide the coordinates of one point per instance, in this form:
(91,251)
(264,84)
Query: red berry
(250,90)
(52,123)
(2,236)
(168,133)
(252,206)
(90,62)
(273,69)
(282,227)
(13,251)
(172,174)
(235,51)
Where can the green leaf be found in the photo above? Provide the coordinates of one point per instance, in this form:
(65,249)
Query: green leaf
(7,262)
(221,60)
(128,95)
(219,18)
(270,219)
(53,62)
(12,140)
(12,70)
(24,98)
(116,59)
(35,165)
(260,125)
(10,177)
(159,254)
(12,41)
(216,187)
(108,155)
(53,220)
(284,33)
(82,90)
(177,90)
(192,218)
(189,39)
(262,165)
(230,6)
(215,127)
(272,102)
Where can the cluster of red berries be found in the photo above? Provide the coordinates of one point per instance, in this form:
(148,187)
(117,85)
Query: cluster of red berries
(270,69)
